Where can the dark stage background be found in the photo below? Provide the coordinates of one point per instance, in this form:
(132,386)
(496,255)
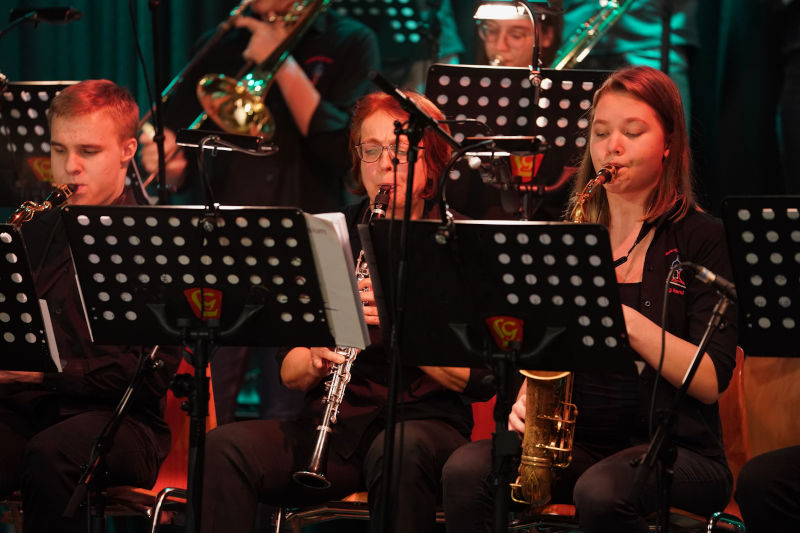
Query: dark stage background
(735,74)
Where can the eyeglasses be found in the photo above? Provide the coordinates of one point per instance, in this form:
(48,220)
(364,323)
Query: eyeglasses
(490,32)
(371,152)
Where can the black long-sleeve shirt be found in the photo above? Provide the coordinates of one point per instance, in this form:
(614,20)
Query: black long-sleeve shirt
(308,172)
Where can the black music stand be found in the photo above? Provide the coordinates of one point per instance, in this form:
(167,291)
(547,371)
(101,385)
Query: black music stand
(234,276)
(26,333)
(404,31)
(763,234)
(502,99)
(25,136)
(552,286)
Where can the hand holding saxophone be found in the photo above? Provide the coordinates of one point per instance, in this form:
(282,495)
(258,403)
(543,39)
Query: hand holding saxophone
(516,418)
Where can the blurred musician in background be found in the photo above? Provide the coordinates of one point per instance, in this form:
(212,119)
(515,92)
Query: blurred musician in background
(254,460)
(314,90)
(649,207)
(509,43)
(49,420)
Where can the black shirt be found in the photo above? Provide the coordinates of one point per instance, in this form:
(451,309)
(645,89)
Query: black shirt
(307,172)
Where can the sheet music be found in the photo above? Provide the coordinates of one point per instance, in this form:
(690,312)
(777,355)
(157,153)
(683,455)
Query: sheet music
(330,242)
(48,331)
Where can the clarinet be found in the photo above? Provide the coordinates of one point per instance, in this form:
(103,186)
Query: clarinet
(28,209)
(314,475)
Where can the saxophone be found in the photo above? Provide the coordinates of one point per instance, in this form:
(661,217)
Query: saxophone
(313,476)
(550,413)
(28,209)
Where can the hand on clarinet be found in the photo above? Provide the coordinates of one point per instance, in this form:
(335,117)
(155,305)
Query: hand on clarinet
(368,301)
(321,360)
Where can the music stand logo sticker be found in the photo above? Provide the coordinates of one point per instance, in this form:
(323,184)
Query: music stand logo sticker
(505,330)
(41,168)
(212,302)
(526,166)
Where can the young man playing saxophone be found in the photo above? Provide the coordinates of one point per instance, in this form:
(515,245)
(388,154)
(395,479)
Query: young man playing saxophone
(49,420)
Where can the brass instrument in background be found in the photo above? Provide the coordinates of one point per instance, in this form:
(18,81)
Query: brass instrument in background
(313,476)
(28,209)
(547,442)
(549,412)
(237,105)
(587,34)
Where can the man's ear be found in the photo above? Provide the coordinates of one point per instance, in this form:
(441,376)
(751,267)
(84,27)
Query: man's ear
(129,150)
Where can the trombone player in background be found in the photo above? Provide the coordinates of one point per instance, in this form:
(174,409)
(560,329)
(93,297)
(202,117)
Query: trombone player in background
(315,88)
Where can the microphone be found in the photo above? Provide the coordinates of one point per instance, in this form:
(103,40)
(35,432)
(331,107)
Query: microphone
(53,15)
(722,285)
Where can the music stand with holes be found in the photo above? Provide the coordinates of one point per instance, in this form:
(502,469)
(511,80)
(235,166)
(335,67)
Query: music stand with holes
(236,276)
(26,335)
(502,98)
(25,136)
(524,295)
(763,234)
(404,31)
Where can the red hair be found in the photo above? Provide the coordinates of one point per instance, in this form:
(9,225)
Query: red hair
(93,95)
(436,153)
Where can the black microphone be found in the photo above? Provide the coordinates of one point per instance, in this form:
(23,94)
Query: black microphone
(722,285)
(53,15)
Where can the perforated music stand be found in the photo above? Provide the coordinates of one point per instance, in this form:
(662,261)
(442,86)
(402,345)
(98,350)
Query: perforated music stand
(403,30)
(502,98)
(25,135)
(556,278)
(763,236)
(26,334)
(507,295)
(148,274)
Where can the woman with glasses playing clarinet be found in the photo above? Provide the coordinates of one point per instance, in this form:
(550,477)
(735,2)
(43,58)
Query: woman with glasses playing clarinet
(248,462)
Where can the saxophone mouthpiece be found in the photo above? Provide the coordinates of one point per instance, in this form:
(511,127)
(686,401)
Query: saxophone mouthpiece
(607,173)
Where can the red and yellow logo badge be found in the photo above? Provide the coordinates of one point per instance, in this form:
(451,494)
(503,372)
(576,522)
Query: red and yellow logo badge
(526,166)
(212,302)
(41,168)
(505,330)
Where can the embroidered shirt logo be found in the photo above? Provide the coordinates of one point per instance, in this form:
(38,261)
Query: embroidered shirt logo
(676,283)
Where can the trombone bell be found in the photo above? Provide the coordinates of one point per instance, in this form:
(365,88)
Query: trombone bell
(237,106)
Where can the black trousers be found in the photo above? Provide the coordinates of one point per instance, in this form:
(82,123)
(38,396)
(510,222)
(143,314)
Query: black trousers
(768,491)
(45,462)
(251,462)
(599,487)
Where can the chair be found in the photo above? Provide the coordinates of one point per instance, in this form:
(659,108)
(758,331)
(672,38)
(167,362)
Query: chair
(172,476)
(169,491)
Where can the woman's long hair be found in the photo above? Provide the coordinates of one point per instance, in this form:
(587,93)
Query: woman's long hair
(674,192)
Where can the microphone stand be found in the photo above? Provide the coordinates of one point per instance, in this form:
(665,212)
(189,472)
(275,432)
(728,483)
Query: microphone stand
(158,138)
(418,120)
(95,471)
(662,451)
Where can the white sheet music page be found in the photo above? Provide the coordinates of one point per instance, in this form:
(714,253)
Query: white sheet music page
(48,331)
(330,243)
